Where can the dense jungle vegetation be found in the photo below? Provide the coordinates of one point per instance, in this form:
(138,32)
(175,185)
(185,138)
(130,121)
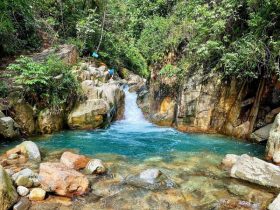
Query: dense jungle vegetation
(237,37)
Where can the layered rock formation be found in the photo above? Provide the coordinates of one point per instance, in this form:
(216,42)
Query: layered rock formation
(206,102)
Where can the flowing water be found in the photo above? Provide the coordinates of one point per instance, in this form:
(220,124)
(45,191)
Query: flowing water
(133,144)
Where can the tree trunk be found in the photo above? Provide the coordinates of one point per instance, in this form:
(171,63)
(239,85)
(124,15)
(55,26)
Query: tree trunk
(255,109)
(176,109)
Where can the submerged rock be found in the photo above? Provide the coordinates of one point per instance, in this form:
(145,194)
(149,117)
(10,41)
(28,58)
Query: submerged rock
(8,194)
(57,178)
(256,171)
(74,161)
(235,204)
(230,160)
(275,205)
(95,166)
(152,179)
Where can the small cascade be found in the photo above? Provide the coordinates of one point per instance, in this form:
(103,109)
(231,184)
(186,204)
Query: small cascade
(132,114)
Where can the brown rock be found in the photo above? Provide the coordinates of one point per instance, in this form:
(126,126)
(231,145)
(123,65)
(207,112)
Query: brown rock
(57,178)
(15,150)
(74,161)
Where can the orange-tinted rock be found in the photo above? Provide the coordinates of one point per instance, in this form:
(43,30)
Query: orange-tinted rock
(74,161)
(57,178)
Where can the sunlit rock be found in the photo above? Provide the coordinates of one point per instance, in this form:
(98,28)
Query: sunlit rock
(61,180)
(95,166)
(273,144)
(74,161)
(256,171)
(37,194)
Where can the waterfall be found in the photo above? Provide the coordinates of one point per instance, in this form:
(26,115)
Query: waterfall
(132,113)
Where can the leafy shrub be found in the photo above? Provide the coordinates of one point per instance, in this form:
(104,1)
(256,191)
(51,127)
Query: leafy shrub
(48,84)
(3,89)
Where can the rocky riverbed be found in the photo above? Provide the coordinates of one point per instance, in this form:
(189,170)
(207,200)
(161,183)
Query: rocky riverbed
(67,180)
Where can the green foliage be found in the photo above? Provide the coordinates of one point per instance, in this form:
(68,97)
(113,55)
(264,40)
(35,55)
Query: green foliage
(3,89)
(17,27)
(48,84)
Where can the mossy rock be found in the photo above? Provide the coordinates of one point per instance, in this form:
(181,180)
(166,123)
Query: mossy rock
(8,194)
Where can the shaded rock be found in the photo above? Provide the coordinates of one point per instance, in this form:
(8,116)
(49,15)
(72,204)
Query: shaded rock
(273,143)
(270,116)
(152,179)
(67,53)
(24,116)
(22,204)
(50,122)
(8,128)
(22,191)
(261,134)
(31,150)
(57,178)
(275,205)
(95,166)
(1,114)
(37,194)
(229,160)
(8,194)
(256,171)
(74,161)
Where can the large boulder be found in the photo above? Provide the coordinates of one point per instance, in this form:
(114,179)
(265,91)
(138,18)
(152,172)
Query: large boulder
(273,144)
(24,116)
(103,104)
(61,180)
(8,194)
(89,114)
(256,171)
(74,161)
(8,128)
(49,121)
(261,134)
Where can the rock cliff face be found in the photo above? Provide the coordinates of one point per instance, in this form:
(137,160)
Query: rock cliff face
(205,102)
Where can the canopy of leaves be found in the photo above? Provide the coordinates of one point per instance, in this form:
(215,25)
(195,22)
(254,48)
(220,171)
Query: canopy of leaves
(241,38)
